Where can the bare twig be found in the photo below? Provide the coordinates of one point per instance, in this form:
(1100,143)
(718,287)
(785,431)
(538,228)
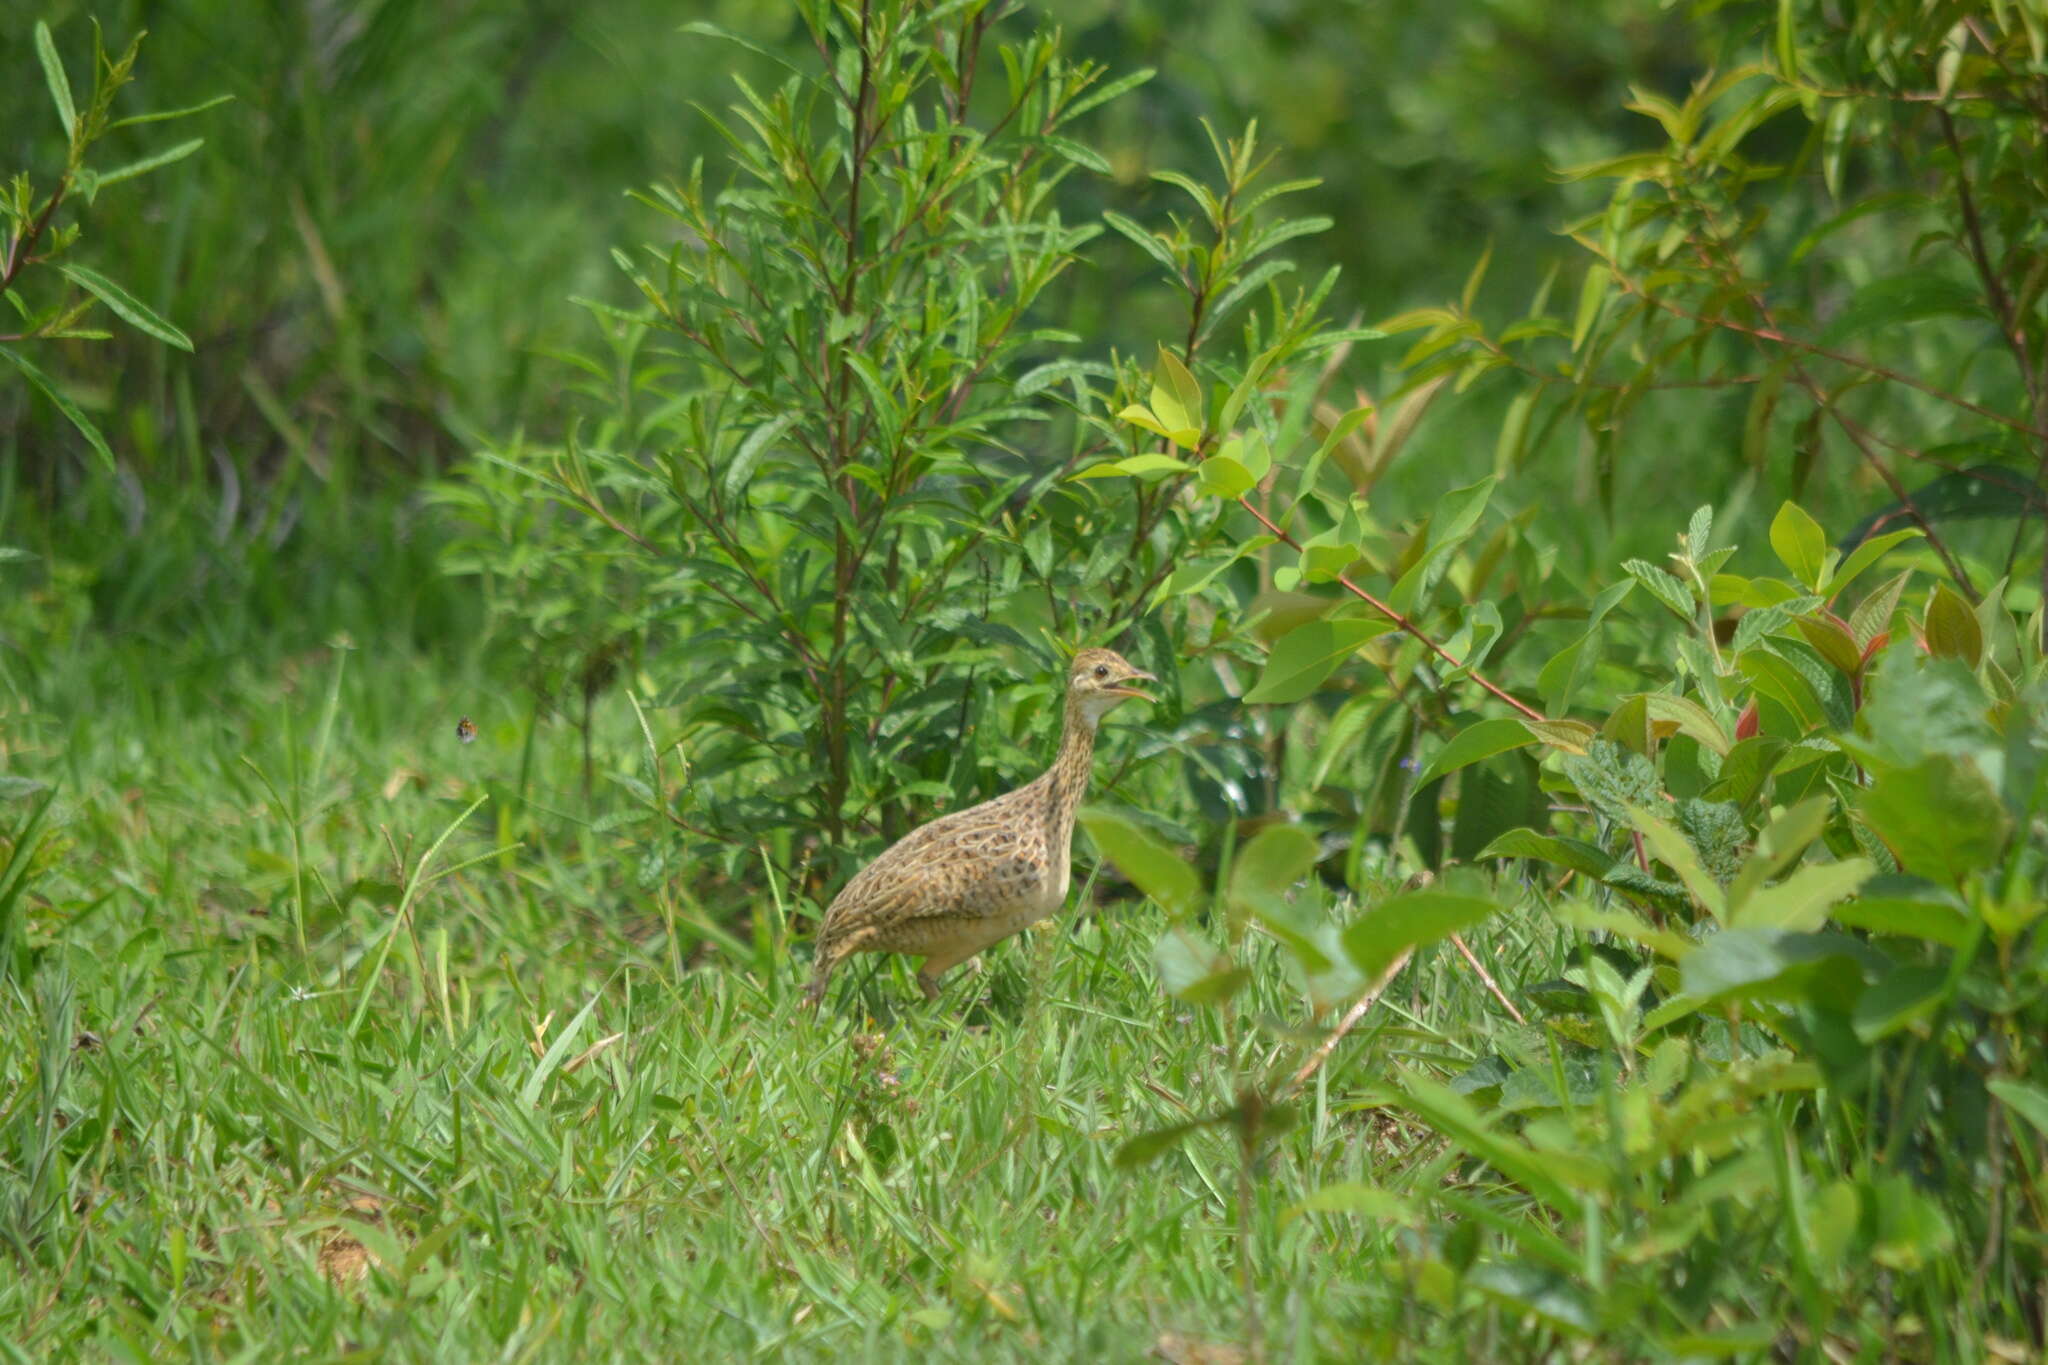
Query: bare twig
(1345,1025)
(1487,977)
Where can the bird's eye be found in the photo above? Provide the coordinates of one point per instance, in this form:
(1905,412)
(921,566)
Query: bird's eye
(1102,670)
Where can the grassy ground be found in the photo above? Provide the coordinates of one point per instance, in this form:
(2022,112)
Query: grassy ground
(247,1109)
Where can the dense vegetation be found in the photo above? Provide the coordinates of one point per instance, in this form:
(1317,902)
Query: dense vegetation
(1578,473)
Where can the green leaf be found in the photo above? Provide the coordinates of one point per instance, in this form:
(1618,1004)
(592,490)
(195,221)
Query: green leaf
(1225,477)
(1474,742)
(1149,465)
(1670,847)
(1874,614)
(1901,299)
(1170,376)
(1689,716)
(1906,907)
(165,115)
(1541,1294)
(1149,242)
(1863,556)
(1907,995)
(1276,858)
(1664,587)
(150,163)
(1414,920)
(63,404)
(1940,817)
(1801,902)
(1952,628)
(2030,1102)
(1147,1147)
(1368,1201)
(1592,297)
(1154,868)
(1576,854)
(1306,655)
(1543,1174)
(1800,543)
(1781,843)
(1193,970)
(126,306)
(1768,964)
(744,460)
(60,84)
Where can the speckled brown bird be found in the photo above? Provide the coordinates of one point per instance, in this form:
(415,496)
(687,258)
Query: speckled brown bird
(949,889)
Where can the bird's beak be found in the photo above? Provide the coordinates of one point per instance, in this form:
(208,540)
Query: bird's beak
(1135,675)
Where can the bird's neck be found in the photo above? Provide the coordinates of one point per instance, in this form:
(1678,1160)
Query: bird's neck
(1067,780)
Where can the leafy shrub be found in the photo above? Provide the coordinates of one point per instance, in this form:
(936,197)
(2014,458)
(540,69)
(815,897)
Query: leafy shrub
(842,458)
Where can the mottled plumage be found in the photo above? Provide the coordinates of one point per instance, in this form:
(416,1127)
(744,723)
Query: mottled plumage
(953,887)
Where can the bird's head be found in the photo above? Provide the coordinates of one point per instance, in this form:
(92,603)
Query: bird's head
(1100,680)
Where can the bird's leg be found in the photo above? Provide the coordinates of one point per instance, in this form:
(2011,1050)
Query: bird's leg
(928,982)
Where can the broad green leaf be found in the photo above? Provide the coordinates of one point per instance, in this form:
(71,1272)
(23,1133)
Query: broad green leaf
(1539,1294)
(1306,655)
(1952,628)
(1458,511)
(1474,742)
(1906,907)
(1832,641)
(1572,736)
(1275,859)
(1908,994)
(59,83)
(1156,870)
(1241,393)
(1340,429)
(1800,544)
(1801,902)
(1768,964)
(1195,971)
(1414,920)
(1781,843)
(1863,556)
(1689,717)
(1225,477)
(1941,817)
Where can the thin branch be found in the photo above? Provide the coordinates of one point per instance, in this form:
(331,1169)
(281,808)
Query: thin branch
(1396,617)
(1487,977)
(1345,1025)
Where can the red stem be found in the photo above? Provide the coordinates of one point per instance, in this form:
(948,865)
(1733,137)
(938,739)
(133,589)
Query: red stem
(1396,617)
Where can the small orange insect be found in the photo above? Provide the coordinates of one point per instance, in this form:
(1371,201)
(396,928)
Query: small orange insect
(465,730)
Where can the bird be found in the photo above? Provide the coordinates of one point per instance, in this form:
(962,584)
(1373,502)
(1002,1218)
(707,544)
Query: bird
(968,880)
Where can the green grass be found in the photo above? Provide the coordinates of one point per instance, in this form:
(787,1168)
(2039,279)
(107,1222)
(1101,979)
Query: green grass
(552,1113)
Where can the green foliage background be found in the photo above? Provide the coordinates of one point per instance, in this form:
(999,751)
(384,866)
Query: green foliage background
(1580,893)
